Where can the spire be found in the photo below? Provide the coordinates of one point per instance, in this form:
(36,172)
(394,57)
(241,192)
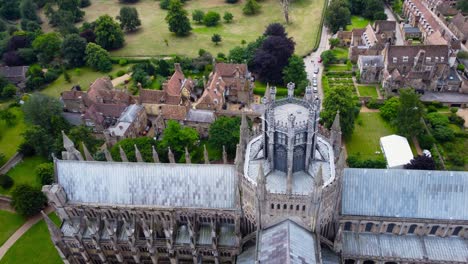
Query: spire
(187,156)
(205,155)
(107,153)
(170,155)
(88,155)
(155,155)
(138,156)
(53,229)
(261,174)
(123,156)
(67,143)
(336,123)
(267,94)
(224,155)
(244,131)
(291,87)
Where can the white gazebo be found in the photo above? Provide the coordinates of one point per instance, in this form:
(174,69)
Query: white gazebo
(396,150)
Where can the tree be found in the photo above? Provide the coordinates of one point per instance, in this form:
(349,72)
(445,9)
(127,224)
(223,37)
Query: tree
(28,10)
(177,19)
(43,111)
(73,50)
(443,133)
(421,162)
(128,18)
(144,145)
(7,116)
(389,110)
(177,138)
(9,9)
(409,113)
(83,134)
(463,6)
(271,58)
(8,91)
(27,200)
(372,9)
(295,72)
(251,7)
(211,19)
(231,1)
(164,4)
(109,35)
(225,132)
(328,57)
(216,38)
(337,15)
(85,3)
(198,15)
(334,42)
(47,47)
(228,17)
(98,58)
(45,173)
(380,16)
(6,181)
(340,99)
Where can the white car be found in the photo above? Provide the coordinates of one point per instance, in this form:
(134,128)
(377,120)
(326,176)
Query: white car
(316,70)
(314,76)
(314,84)
(315,89)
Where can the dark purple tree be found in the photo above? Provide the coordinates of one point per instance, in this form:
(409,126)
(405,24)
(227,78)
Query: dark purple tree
(12,58)
(421,162)
(18,42)
(89,35)
(275,29)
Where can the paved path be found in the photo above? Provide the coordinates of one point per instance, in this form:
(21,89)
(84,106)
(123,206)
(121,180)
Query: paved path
(25,227)
(17,158)
(121,79)
(364,109)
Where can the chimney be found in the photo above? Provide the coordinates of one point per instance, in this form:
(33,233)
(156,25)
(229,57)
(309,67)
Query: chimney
(177,67)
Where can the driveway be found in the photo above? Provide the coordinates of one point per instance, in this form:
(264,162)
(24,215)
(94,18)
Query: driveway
(399,34)
(311,61)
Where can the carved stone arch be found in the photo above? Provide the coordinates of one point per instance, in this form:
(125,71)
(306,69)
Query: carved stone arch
(281,161)
(299,158)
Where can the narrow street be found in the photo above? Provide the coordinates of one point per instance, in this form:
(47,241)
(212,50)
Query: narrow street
(399,34)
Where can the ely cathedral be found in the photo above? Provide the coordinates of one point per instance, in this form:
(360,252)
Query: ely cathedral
(288,198)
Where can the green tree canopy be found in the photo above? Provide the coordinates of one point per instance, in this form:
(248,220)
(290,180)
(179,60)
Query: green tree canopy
(9,9)
(251,7)
(47,47)
(197,15)
(177,19)
(340,99)
(409,113)
(109,35)
(216,38)
(44,111)
(389,110)
(128,18)
(27,200)
(177,138)
(337,15)
(98,58)
(144,145)
(211,19)
(28,10)
(463,6)
(83,134)
(328,57)
(295,71)
(225,132)
(45,173)
(228,17)
(73,50)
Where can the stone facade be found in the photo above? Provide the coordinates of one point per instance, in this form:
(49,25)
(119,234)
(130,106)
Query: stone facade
(132,123)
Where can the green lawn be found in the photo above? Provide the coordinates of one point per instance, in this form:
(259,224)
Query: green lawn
(85,77)
(340,53)
(358,22)
(260,89)
(365,138)
(10,137)
(337,67)
(148,41)
(24,172)
(35,246)
(367,90)
(10,222)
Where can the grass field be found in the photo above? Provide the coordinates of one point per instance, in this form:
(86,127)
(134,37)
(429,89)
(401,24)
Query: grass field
(260,89)
(340,53)
(367,90)
(24,172)
(365,138)
(148,41)
(34,246)
(84,78)
(10,137)
(10,222)
(358,22)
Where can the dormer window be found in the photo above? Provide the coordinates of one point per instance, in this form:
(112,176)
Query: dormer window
(395,60)
(428,59)
(441,59)
(405,58)
(436,59)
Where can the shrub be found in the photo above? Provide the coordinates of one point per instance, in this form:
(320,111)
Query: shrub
(228,17)
(216,38)
(431,109)
(211,19)
(443,133)
(26,149)
(6,181)
(251,7)
(85,3)
(457,120)
(123,62)
(374,104)
(120,73)
(437,119)
(426,141)
(356,162)
(45,173)
(164,4)
(453,110)
(460,67)
(231,1)
(27,200)
(198,15)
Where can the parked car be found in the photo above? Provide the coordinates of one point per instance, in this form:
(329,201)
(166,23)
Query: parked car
(314,84)
(315,89)
(316,70)
(314,76)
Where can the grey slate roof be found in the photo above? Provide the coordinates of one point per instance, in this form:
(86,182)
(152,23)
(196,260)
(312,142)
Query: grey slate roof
(409,247)
(405,193)
(130,113)
(201,116)
(287,243)
(148,184)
